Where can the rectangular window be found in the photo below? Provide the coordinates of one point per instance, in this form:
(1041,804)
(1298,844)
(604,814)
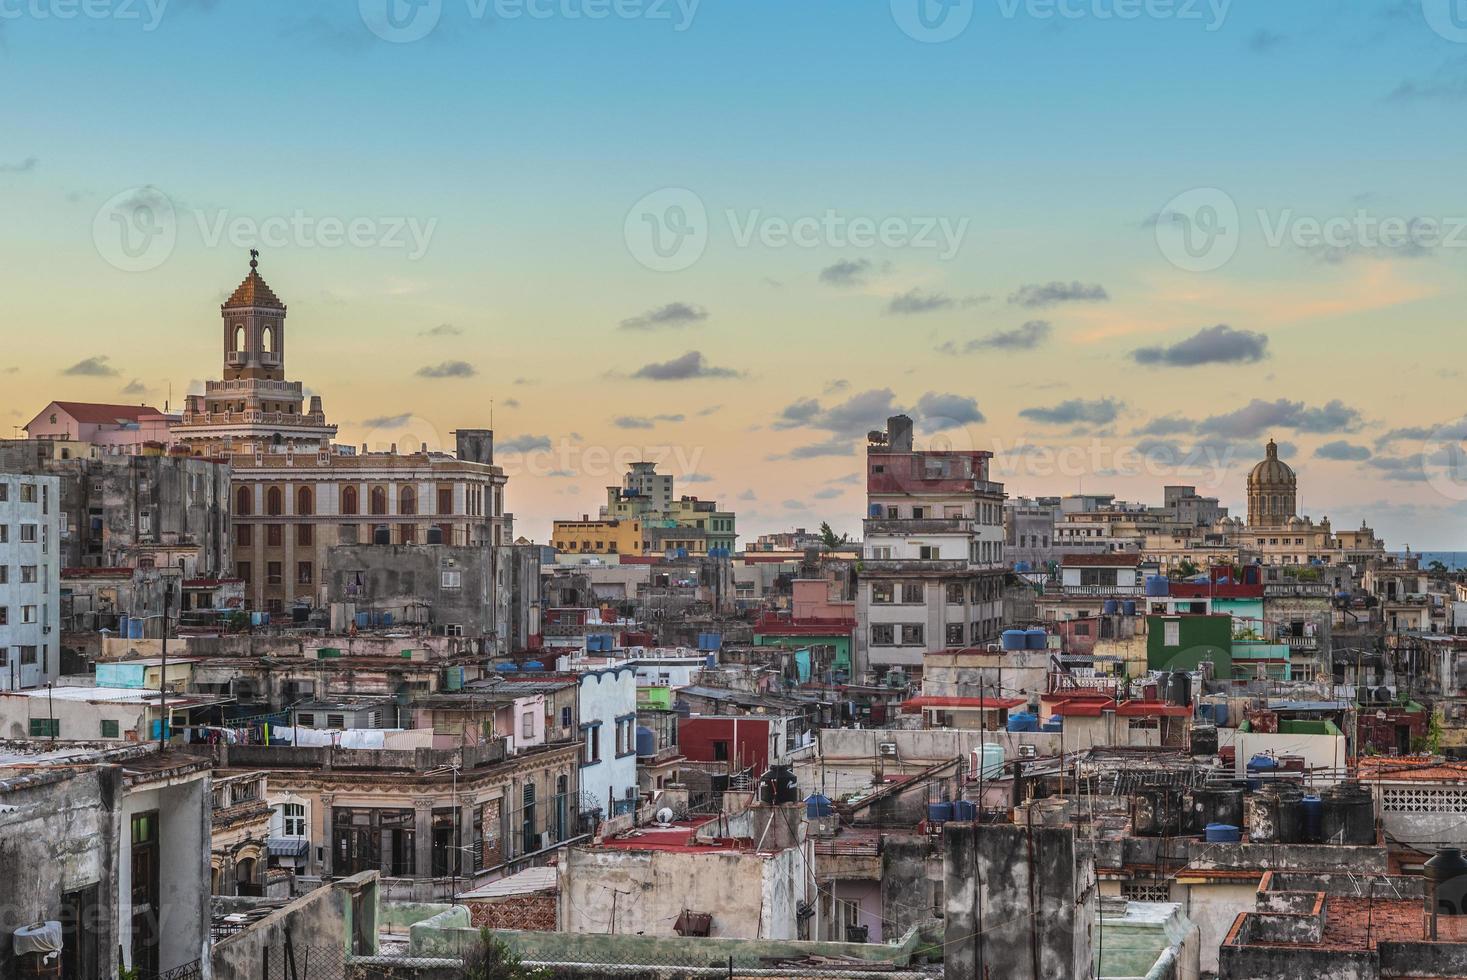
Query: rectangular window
(45,728)
(445,500)
(1171,633)
(912,634)
(28,533)
(242,571)
(273,573)
(881,592)
(109,728)
(305,719)
(274,535)
(452,580)
(4,615)
(913,593)
(527,725)
(305,535)
(244,535)
(882,634)
(955,593)
(27,614)
(335,721)
(955,634)
(929,552)
(27,574)
(27,493)
(304,573)
(293,819)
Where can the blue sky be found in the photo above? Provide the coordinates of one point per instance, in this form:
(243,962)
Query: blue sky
(1054,134)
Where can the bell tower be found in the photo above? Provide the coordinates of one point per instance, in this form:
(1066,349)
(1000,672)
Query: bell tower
(254,330)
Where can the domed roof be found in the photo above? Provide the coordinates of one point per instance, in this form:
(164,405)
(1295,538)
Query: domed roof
(1296,521)
(1272,472)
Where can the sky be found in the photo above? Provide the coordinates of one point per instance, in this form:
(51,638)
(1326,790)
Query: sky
(1119,243)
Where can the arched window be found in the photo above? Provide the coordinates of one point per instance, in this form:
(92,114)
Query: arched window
(244,501)
(274,502)
(267,339)
(379,500)
(349,500)
(304,501)
(239,336)
(407,501)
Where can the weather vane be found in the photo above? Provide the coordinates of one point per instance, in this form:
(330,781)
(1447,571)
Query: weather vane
(254,258)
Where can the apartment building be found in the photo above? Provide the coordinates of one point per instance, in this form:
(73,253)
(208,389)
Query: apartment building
(30,581)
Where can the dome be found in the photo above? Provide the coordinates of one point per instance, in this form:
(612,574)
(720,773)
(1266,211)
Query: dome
(1272,471)
(1296,522)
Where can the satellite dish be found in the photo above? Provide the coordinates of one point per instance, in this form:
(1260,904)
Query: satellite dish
(664,815)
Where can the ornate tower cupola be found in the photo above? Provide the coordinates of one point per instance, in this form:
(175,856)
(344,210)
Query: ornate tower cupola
(254,330)
(1272,491)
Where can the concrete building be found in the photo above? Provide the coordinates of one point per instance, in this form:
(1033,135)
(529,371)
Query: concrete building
(670,525)
(30,581)
(445,589)
(606,540)
(239,836)
(607,709)
(114,429)
(934,564)
(115,846)
(295,495)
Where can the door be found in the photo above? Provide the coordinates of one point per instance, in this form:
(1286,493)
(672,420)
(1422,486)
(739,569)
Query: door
(80,915)
(145,892)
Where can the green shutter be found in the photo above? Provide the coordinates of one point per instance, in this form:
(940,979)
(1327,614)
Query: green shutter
(45,728)
(109,728)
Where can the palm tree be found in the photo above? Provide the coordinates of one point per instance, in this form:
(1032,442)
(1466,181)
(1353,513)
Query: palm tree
(830,539)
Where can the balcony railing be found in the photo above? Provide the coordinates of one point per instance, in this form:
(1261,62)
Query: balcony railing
(1103,590)
(926,525)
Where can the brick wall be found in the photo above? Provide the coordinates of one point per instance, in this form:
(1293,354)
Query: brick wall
(526,913)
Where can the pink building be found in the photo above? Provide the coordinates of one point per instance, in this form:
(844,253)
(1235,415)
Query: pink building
(119,429)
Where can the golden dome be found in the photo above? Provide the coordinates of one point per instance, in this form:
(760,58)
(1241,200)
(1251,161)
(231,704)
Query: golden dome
(1272,471)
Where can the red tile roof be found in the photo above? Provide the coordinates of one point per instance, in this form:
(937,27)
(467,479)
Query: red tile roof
(254,291)
(1412,769)
(98,413)
(915,705)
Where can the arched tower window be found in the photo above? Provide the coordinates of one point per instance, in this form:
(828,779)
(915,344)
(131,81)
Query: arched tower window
(239,337)
(379,500)
(244,501)
(304,501)
(349,500)
(267,339)
(274,502)
(407,501)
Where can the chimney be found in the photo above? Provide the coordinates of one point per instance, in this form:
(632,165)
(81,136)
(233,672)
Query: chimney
(899,434)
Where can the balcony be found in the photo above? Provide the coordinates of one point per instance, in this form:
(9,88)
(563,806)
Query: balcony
(930,525)
(1103,591)
(1285,589)
(1302,642)
(923,566)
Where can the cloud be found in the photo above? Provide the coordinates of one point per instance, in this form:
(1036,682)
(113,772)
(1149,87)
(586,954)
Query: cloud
(135,387)
(1166,425)
(387,421)
(697,478)
(835,446)
(643,422)
(1340,449)
(1212,345)
(1038,295)
(1027,336)
(1102,411)
(794,505)
(710,410)
(442,330)
(846,272)
(93,367)
(511,403)
(916,301)
(526,381)
(1447,84)
(937,411)
(28,165)
(748,495)
(524,444)
(671,316)
(797,413)
(829,493)
(448,369)
(690,365)
(1401,469)
(1258,416)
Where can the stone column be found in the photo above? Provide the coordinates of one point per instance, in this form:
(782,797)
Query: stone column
(423,836)
(327,842)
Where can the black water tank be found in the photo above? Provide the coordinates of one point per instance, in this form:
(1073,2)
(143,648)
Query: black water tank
(1156,811)
(1276,814)
(1179,691)
(435,535)
(1291,812)
(1447,893)
(1204,740)
(1216,802)
(382,535)
(1349,814)
(779,786)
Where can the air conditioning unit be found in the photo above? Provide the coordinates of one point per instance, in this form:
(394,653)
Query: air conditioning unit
(888,749)
(1028,752)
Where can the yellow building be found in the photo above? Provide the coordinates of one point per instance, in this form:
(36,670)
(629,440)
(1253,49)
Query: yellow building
(611,536)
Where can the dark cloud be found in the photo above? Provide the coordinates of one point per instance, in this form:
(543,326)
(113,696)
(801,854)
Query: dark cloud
(829,493)
(916,301)
(1340,449)
(1447,84)
(846,272)
(1401,469)
(1101,411)
(442,330)
(1027,336)
(511,403)
(387,421)
(93,367)
(835,446)
(696,478)
(710,410)
(794,505)
(668,317)
(839,384)
(748,495)
(525,444)
(1037,295)
(1166,425)
(857,415)
(937,411)
(690,365)
(25,166)
(448,369)
(643,421)
(135,387)
(1212,345)
(1258,416)
(797,414)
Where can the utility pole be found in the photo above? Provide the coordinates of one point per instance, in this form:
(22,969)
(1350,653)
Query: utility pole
(163,671)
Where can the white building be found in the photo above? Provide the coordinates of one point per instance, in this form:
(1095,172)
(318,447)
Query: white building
(934,560)
(608,712)
(30,581)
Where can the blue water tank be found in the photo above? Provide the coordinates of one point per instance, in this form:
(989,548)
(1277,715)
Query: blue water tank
(1313,808)
(1263,763)
(1111,607)
(646,742)
(1021,566)
(1023,721)
(711,661)
(1055,724)
(1157,585)
(1037,639)
(1012,640)
(817,806)
(682,552)
(939,812)
(1130,607)
(1223,833)
(122,627)
(135,629)
(505,668)
(965,811)
(534,665)
(387,619)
